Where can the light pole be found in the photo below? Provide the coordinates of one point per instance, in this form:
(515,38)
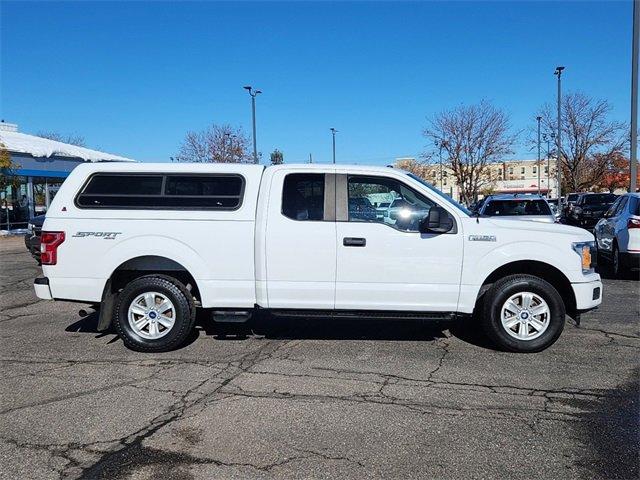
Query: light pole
(548,138)
(558,72)
(538,119)
(254,94)
(333,133)
(633,164)
(441,144)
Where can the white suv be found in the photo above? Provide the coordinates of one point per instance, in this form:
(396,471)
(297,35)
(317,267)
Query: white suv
(151,243)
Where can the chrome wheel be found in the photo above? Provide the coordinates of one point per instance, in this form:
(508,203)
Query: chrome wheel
(525,316)
(151,315)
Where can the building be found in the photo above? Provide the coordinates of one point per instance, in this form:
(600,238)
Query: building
(513,176)
(39,167)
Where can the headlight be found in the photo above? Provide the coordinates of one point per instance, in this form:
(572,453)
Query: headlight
(588,255)
(577,210)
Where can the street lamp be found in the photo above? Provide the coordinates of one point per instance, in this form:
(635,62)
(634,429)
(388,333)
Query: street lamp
(548,138)
(254,94)
(441,144)
(333,133)
(538,118)
(558,72)
(633,164)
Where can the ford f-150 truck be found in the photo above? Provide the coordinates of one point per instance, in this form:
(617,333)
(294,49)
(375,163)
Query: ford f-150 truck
(151,243)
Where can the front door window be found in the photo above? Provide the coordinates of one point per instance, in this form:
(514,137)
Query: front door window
(387,201)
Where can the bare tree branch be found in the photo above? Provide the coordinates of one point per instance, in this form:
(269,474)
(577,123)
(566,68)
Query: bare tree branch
(215,144)
(71,139)
(471,138)
(590,141)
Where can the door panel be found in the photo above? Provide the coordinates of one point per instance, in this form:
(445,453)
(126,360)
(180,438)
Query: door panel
(300,241)
(395,267)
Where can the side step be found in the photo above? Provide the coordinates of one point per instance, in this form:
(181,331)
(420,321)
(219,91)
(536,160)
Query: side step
(231,316)
(366,314)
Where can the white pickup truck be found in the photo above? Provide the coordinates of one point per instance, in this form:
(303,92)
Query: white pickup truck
(151,243)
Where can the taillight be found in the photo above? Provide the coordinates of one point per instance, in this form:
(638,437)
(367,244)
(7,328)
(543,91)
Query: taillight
(49,243)
(633,223)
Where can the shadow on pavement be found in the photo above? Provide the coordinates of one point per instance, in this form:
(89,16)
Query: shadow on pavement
(317,329)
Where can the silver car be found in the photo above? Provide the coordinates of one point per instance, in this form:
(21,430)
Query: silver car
(618,234)
(518,207)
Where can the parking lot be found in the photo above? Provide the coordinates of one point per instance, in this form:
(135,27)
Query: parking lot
(312,399)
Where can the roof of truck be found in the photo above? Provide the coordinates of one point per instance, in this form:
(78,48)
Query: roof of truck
(230,167)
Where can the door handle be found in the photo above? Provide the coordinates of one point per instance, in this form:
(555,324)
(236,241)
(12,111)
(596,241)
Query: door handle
(354,242)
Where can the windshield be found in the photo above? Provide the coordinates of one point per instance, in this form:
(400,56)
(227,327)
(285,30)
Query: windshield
(450,200)
(509,208)
(572,197)
(598,198)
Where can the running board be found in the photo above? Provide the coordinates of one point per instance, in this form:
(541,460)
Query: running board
(366,314)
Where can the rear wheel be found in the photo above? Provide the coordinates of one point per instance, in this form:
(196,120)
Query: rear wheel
(616,262)
(154,313)
(523,313)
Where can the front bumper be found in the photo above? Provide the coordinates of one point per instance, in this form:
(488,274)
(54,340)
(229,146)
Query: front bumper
(41,286)
(588,295)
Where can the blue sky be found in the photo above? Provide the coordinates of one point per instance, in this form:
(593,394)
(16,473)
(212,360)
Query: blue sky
(134,77)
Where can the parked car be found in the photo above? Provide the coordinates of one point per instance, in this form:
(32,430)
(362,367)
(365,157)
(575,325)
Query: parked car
(618,234)
(553,204)
(152,243)
(589,208)
(518,207)
(568,203)
(32,237)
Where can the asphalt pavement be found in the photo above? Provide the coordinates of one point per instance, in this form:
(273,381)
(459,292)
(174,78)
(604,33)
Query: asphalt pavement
(312,398)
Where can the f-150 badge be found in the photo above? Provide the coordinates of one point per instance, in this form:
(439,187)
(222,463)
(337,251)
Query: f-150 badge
(482,238)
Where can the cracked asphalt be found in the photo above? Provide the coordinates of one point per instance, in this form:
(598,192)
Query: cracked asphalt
(312,399)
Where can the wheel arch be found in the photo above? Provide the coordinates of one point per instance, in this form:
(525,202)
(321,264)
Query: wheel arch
(137,267)
(536,268)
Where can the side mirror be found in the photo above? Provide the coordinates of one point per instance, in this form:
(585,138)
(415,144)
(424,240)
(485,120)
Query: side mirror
(437,221)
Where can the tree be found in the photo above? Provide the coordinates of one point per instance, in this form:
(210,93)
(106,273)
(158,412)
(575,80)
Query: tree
(72,139)
(277,158)
(472,137)
(617,172)
(7,166)
(590,141)
(215,144)
(413,166)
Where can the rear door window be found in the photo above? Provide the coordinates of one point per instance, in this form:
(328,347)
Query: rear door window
(303,196)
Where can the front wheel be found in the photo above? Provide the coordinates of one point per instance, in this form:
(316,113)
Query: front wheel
(154,313)
(523,313)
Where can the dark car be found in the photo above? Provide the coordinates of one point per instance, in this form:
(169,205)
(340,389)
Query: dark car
(32,237)
(589,208)
(569,203)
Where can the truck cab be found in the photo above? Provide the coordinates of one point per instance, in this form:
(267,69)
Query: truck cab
(151,243)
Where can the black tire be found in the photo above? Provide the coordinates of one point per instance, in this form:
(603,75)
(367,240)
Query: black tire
(617,266)
(185,316)
(501,291)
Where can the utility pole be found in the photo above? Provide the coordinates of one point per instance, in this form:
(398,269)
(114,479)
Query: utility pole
(310,159)
(440,144)
(548,138)
(254,94)
(633,163)
(333,133)
(558,72)
(538,119)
